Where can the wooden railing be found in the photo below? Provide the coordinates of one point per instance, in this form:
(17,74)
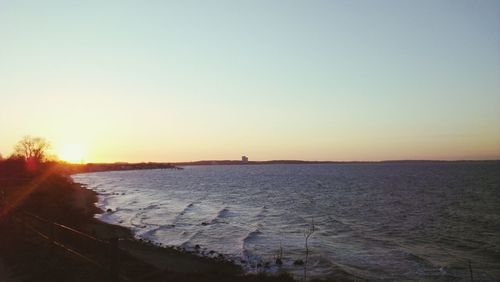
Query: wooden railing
(104,255)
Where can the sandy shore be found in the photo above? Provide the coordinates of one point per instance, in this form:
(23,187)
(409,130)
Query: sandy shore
(162,258)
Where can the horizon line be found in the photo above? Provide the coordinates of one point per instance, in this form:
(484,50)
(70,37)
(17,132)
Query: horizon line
(220,161)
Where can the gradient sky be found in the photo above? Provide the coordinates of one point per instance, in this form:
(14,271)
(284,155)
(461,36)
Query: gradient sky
(313,80)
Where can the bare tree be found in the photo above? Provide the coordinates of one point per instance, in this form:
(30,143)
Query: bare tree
(307,233)
(32,148)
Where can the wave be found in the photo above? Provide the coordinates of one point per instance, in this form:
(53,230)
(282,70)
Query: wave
(251,235)
(219,217)
(262,213)
(248,238)
(187,208)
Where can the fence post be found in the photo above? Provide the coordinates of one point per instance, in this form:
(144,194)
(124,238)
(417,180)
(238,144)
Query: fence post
(51,238)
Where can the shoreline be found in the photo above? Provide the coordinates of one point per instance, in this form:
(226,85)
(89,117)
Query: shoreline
(161,255)
(28,257)
(177,260)
(152,253)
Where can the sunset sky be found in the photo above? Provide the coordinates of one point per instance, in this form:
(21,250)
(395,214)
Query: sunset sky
(313,80)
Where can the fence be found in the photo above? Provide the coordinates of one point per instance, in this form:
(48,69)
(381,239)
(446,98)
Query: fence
(104,255)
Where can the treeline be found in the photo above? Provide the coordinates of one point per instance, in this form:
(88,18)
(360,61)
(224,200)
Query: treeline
(96,167)
(19,168)
(31,156)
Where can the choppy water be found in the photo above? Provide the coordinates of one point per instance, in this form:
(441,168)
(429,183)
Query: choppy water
(393,221)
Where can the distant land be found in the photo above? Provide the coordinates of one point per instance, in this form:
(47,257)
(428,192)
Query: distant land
(239,162)
(118,166)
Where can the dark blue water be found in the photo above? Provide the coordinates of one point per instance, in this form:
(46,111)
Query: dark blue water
(386,221)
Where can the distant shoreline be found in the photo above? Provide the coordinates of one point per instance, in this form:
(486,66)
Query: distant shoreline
(68,168)
(238,162)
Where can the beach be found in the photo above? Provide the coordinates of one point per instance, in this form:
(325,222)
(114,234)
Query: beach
(28,257)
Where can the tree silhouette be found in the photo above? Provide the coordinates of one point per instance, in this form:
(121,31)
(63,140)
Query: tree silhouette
(32,149)
(307,233)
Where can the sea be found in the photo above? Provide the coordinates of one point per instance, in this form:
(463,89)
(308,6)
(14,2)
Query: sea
(392,221)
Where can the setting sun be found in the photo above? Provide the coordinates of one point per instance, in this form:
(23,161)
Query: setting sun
(73,153)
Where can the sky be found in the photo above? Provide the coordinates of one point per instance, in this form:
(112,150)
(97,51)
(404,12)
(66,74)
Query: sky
(197,80)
